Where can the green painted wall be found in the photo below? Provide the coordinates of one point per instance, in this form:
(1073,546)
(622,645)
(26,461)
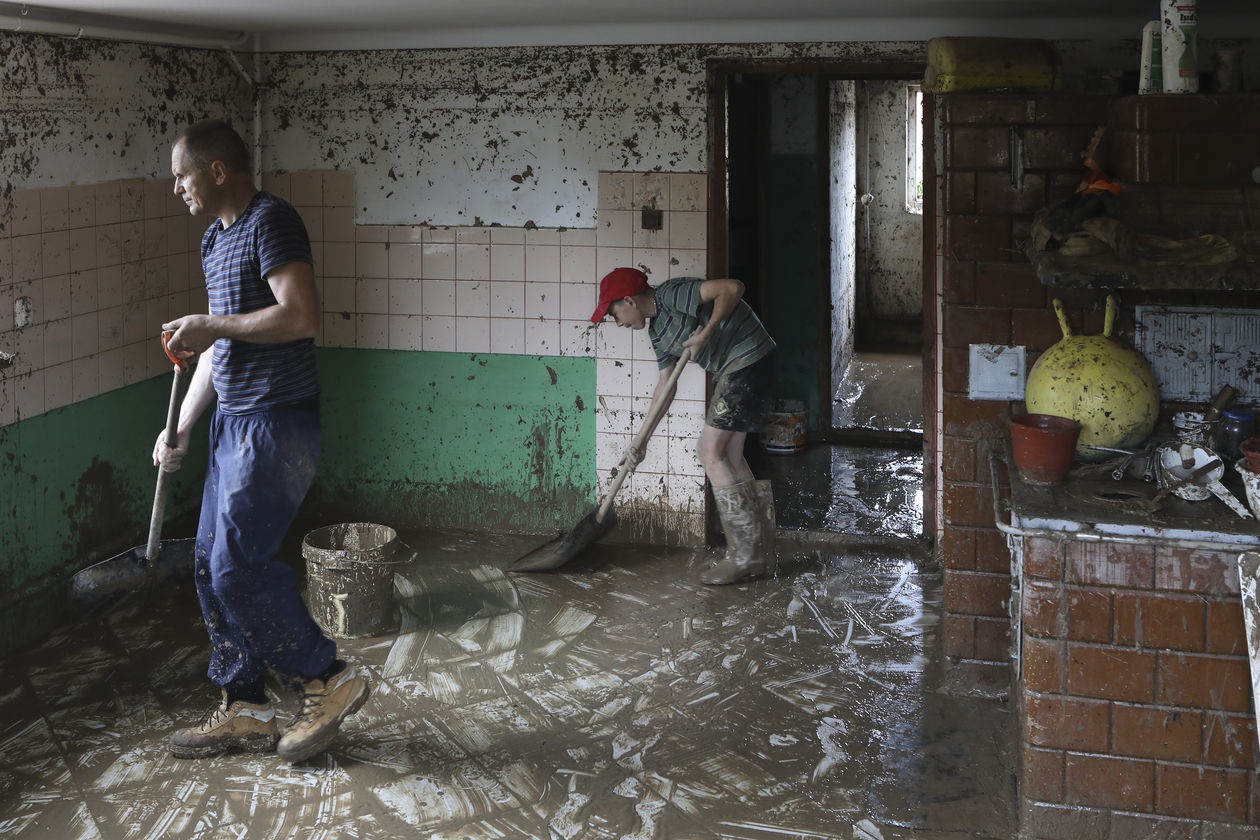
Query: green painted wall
(78,483)
(497,443)
(77,487)
(485,442)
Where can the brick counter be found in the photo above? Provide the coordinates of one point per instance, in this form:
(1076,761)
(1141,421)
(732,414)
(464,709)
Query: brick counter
(1135,693)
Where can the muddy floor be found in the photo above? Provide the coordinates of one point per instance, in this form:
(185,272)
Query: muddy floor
(617,699)
(853,490)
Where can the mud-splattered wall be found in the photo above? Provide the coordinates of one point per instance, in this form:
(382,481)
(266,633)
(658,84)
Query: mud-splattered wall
(503,136)
(84,111)
(890,239)
(88,246)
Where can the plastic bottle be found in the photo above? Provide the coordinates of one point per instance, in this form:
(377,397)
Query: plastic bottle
(1151,76)
(1179,41)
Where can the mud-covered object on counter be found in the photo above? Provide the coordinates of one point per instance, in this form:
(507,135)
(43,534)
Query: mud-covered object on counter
(1236,426)
(1101,382)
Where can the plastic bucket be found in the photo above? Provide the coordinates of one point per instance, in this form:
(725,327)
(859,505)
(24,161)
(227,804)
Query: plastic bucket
(350,578)
(1042,446)
(784,431)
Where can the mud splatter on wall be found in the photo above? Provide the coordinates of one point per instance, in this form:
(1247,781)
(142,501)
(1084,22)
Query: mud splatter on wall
(84,111)
(890,237)
(509,136)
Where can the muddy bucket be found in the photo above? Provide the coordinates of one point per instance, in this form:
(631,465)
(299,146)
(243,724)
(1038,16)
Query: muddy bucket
(350,578)
(784,430)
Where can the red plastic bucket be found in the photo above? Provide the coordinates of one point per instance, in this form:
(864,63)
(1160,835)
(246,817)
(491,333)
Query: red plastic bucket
(1043,446)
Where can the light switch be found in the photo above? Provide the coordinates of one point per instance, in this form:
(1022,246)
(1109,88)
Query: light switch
(996,372)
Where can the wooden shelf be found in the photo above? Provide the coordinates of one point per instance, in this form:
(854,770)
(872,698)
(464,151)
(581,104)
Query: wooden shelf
(1110,272)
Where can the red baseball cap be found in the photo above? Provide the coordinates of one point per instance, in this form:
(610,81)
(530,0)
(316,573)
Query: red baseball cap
(617,284)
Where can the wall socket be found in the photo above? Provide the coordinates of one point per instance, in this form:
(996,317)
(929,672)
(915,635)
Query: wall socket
(996,372)
(22,313)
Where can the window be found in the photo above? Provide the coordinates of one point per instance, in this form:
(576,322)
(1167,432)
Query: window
(914,148)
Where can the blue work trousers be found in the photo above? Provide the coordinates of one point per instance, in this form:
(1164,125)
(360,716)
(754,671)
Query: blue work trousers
(261,465)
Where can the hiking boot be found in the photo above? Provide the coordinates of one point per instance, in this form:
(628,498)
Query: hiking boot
(250,727)
(324,706)
(745,526)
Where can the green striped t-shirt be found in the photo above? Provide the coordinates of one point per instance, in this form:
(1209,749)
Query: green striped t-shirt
(737,342)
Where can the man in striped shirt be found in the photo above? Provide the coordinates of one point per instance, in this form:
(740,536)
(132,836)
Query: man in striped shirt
(265,439)
(727,340)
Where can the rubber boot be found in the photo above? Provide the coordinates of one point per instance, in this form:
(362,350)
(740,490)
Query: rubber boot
(765,508)
(765,502)
(745,529)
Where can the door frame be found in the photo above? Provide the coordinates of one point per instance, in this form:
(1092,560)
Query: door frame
(718,72)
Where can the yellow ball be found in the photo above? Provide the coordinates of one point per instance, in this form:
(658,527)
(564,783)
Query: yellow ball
(1104,384)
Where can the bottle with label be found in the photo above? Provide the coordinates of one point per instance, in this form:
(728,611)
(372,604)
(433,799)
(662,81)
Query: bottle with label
(1151,76)
(1179,41)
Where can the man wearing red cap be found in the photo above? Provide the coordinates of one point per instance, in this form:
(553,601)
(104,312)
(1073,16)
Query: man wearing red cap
(727,340)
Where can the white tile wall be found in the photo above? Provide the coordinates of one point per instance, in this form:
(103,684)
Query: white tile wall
(439,333)
(406,332)
(105,264)
(84,256)
(406,296)
(670,476)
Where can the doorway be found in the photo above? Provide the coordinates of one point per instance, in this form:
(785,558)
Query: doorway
(814,180)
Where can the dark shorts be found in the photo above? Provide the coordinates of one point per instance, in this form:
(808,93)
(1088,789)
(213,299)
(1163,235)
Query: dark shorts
(740,399)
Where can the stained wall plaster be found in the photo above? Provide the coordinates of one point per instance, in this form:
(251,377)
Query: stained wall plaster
(508,136)
(890,237)
(84,111)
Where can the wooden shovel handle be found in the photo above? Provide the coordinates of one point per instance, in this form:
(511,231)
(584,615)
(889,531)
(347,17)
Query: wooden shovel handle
(645,431)
(159,495)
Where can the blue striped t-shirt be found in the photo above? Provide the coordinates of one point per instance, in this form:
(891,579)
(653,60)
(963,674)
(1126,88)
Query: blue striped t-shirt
(247,376)
(737,342)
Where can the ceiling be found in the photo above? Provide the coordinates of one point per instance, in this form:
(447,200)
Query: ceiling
(359,24)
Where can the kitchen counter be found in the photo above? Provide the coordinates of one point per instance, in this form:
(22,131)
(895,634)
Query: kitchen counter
(1130,658)
(1090,504)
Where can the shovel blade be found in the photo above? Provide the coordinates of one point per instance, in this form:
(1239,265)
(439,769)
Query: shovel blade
(108,582)
(556,553)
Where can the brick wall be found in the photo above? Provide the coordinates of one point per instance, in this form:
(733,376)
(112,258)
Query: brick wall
(1186,163)
(1136,692)
(991,295)
(1186,168)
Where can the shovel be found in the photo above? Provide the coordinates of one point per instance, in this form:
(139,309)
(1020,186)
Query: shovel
(600,521)
(107,581)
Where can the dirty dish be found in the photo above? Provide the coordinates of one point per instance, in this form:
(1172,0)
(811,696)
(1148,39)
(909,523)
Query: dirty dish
(1194,473)
(1187,468)
(1193,427)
